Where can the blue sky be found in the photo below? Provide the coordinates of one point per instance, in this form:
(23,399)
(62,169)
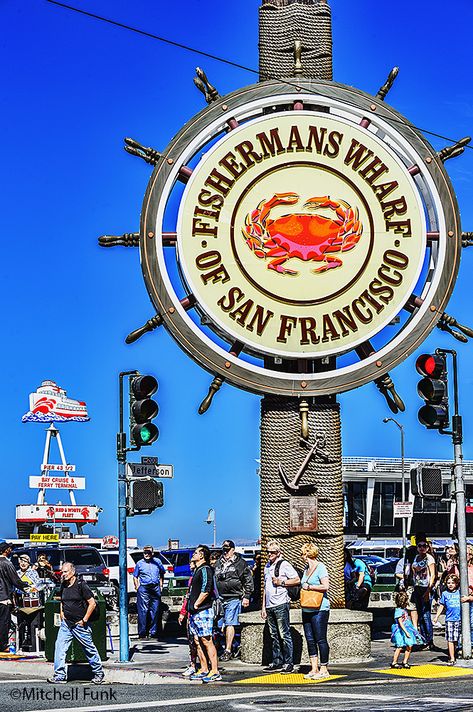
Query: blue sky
(73,88)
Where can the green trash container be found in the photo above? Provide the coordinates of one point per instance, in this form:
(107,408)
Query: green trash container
(52,622)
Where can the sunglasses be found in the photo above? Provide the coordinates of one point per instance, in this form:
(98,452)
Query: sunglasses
(272,551)
(422,546)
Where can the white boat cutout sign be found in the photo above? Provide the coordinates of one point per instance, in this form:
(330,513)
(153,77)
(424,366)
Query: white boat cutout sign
(50,404)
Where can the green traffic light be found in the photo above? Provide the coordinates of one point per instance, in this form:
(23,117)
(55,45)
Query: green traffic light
(145,434)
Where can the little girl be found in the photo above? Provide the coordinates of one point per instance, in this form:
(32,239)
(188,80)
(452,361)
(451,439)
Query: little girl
(404,635)
(450,601)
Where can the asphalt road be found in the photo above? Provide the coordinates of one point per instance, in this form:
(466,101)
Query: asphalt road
(19,693)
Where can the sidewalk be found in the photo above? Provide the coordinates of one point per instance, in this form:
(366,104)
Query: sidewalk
(162,662)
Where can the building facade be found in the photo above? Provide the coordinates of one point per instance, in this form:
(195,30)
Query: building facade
(372,485)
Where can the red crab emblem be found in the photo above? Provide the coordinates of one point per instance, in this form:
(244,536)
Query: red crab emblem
(302,235)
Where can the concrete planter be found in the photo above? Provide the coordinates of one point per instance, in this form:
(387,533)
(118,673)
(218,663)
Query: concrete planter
(349,637)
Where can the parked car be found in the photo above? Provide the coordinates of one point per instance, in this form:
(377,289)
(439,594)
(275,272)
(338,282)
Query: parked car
(110,556)
(373,562)
(180,560)
(87,560)
(385,576)
(137,554)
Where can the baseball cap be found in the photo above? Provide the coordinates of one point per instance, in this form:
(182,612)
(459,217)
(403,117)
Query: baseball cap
(5,546)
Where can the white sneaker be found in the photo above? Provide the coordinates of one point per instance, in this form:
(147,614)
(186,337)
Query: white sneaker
(188,671)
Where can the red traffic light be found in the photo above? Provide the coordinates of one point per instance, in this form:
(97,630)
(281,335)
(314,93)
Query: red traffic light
(430,365)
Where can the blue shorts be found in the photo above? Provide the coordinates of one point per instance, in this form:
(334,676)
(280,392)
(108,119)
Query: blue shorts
(231,611)
(201,623)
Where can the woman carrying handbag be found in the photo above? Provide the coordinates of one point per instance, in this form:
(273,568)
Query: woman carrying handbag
(315,612)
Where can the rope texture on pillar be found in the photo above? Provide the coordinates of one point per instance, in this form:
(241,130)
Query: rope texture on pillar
(280,444)
(281,23)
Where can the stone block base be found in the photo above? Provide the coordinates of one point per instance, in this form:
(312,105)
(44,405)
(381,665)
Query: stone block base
(349,637)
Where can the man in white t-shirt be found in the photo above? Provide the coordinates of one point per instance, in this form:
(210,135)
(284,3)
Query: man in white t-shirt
(276,607)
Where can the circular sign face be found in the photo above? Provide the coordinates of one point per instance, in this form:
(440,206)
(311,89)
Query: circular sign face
(299,240)
(301,234)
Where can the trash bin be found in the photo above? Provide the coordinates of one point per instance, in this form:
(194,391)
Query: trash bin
(52,621)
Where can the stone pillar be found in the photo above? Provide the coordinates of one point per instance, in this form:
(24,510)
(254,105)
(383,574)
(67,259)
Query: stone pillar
(281,447)
(282,24)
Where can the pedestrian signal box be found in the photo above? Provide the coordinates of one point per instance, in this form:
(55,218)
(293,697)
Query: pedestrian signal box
(426,481)
(145,494)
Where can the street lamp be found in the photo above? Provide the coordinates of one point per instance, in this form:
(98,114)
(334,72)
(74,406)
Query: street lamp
(212,519)
(403,482)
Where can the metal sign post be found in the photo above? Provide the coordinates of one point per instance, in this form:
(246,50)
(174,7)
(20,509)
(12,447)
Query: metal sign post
(459,483)
(123,589)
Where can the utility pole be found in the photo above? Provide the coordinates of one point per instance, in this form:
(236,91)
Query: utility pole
(457,438)
(122,534)
(403,482)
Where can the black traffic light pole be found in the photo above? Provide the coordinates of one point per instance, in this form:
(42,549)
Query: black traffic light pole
(123,574)
(457,438)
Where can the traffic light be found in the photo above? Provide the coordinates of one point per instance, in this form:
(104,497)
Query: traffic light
(426,481)
(142,410)
(145,494)
(433,388)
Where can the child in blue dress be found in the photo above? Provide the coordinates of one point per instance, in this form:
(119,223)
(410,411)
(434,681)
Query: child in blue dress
(450,601)
(403,633)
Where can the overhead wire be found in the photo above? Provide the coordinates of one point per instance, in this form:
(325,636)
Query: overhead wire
(209,55)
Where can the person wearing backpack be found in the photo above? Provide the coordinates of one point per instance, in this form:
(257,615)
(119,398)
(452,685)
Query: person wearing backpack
(358,582)
(279,576)
(77,608)
(315,612)
(234,585)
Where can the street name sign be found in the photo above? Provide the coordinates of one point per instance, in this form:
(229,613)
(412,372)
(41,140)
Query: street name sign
(139,469)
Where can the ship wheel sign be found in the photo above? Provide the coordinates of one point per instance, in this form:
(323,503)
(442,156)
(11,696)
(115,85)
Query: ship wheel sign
(313,222)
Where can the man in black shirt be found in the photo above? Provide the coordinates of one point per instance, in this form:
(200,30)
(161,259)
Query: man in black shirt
(201,615)
(77,605)
(9,580)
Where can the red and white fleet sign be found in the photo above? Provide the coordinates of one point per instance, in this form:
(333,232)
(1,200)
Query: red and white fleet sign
(76,514)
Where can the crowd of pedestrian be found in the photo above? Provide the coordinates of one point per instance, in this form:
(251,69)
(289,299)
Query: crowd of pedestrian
(424,585)
(222,584)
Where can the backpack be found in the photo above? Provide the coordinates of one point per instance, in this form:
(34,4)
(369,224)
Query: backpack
(294,592)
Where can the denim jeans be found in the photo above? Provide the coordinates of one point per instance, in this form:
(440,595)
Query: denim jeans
(315,626)
(148,598)
(280,631)
(63,641)
(423,611)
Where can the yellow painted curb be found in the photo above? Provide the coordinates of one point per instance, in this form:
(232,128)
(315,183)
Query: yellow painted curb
(428,671)
(278,679)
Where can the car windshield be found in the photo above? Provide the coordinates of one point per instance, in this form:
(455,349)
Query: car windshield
(111,559)
(52,555)
(83,557)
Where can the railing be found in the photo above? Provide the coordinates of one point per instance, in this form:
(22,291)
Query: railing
(394,465)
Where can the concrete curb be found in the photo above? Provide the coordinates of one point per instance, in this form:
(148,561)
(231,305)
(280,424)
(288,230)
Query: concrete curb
(131,675)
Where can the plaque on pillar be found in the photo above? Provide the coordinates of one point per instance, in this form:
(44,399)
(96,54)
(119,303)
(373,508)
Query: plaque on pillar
(303,514)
